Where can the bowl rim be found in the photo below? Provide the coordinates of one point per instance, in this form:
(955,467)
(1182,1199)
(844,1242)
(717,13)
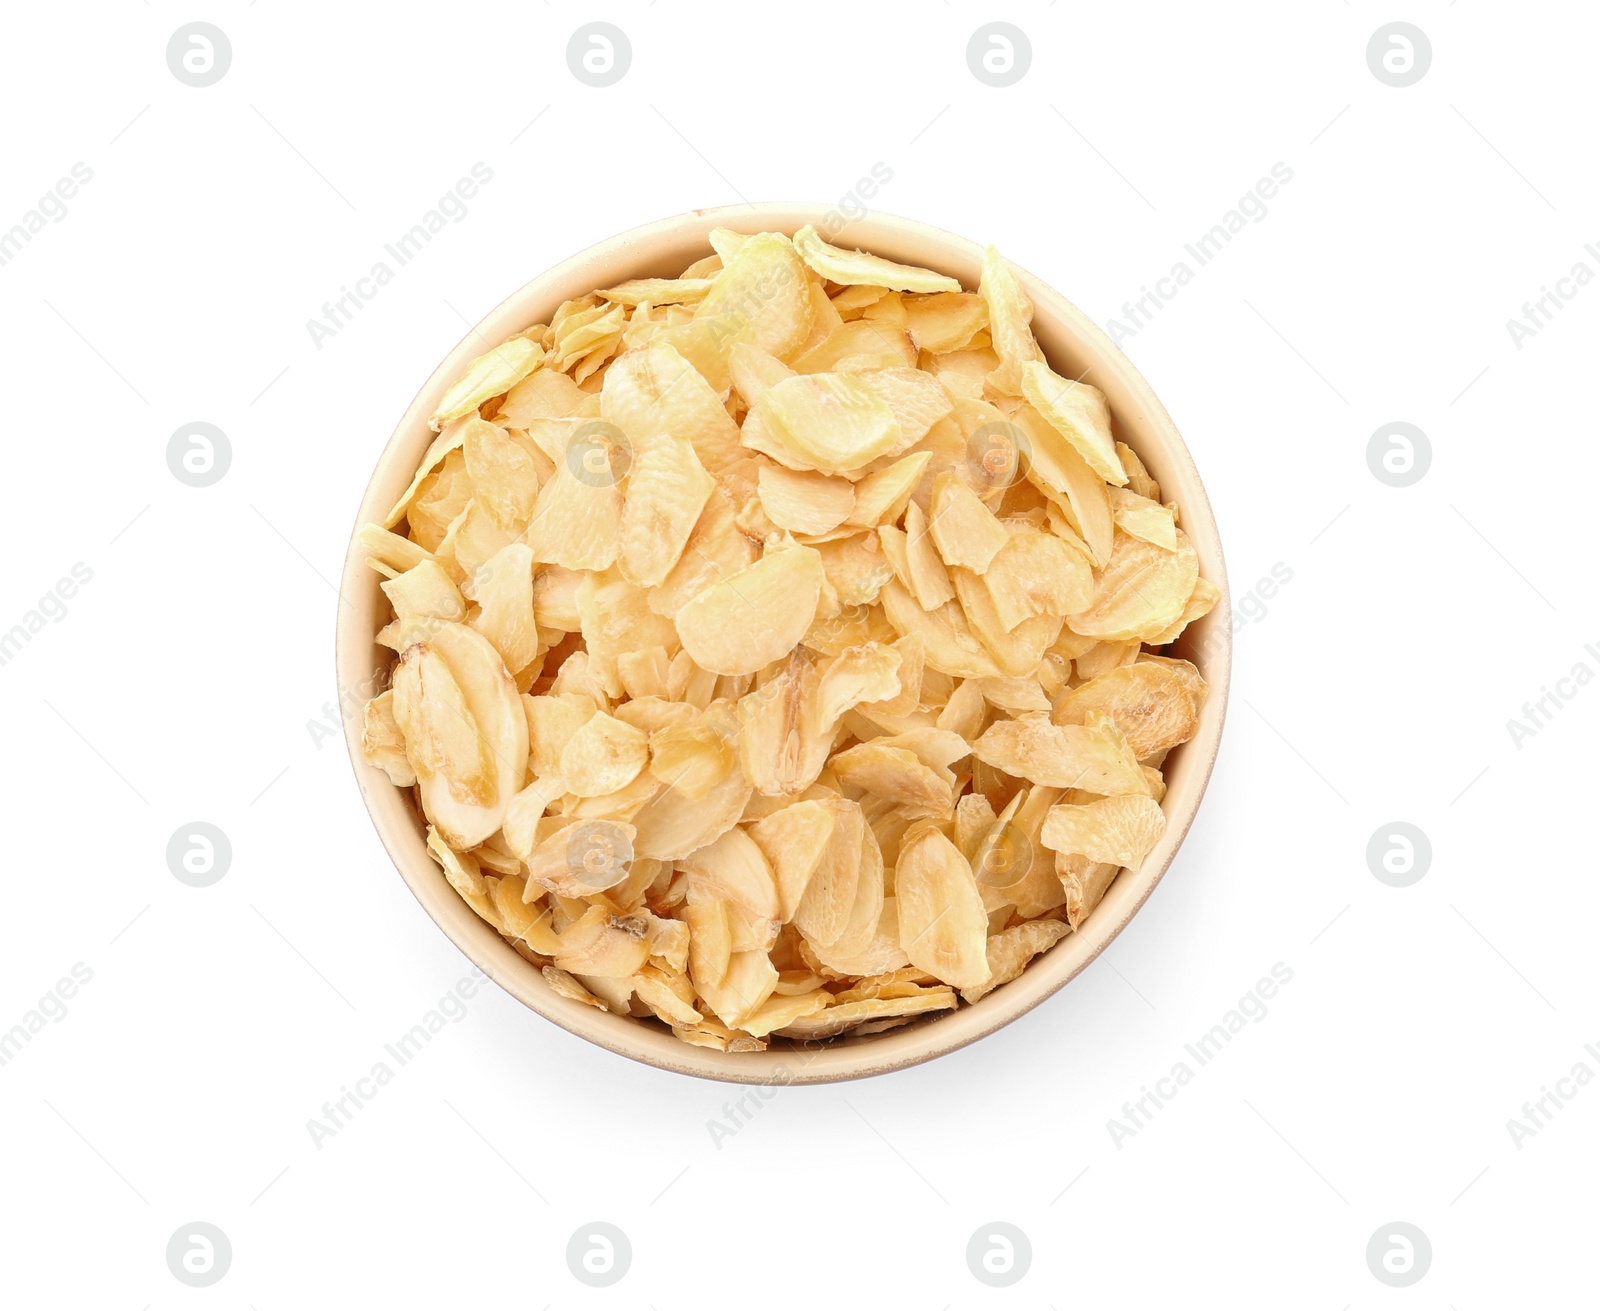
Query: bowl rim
(390,810)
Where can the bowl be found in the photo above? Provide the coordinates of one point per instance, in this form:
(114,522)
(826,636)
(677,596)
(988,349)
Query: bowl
(1075,347)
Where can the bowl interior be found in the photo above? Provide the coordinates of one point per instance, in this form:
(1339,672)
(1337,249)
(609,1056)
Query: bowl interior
(1075,347)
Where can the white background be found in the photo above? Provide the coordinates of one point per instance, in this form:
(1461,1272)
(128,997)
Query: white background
(183,681)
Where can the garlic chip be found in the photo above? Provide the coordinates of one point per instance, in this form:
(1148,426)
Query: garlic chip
(777,646)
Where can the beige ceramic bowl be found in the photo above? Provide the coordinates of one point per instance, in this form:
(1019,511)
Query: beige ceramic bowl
(1074,346)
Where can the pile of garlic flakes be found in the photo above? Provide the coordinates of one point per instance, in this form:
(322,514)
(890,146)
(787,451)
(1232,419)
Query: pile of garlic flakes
(774,643)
